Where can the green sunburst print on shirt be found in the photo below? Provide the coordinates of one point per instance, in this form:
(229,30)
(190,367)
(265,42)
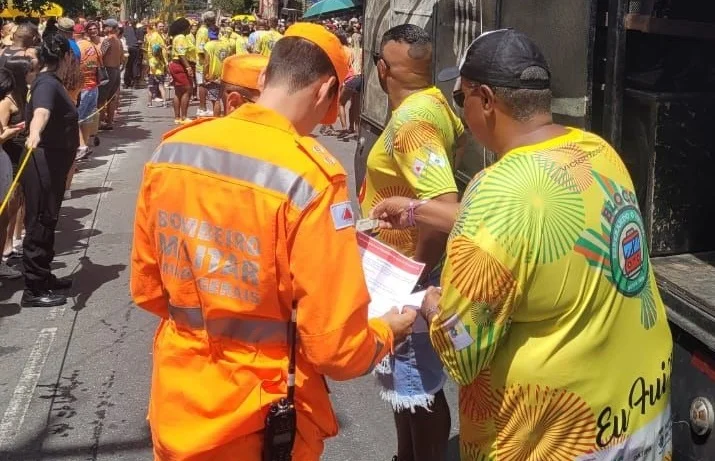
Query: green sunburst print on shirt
(523,207)
(437,173)
(467,222)
(649,312)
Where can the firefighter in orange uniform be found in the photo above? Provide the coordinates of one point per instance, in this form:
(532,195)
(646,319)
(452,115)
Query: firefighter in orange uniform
(239,80)
(239,220)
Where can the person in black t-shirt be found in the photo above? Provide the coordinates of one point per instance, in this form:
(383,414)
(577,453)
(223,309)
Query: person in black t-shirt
(54,137)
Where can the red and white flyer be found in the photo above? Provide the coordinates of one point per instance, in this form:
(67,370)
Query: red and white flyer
(389,275)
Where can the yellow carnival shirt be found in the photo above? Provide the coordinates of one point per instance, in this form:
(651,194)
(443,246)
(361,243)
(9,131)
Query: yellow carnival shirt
(216,52)
(156,66)
(154,38)
(413,157)
(241,45)
(551,319)
(202,38)
(226,34)
(179,47)
(191,54)
(266,41)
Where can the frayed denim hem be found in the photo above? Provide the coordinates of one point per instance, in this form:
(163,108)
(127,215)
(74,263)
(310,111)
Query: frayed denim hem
(407,402)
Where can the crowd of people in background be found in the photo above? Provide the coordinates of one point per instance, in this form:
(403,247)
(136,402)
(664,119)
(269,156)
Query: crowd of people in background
(182,62)
(177,63)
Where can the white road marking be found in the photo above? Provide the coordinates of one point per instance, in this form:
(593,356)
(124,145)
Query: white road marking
(25,389)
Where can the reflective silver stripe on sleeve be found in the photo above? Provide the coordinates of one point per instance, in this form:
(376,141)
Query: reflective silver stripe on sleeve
(190,317)
(378,348)
(249,331)
(238,166)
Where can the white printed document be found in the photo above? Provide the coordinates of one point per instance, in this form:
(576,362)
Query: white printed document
(389,275)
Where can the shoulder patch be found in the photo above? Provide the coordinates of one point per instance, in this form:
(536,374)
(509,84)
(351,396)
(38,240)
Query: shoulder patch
(198,121)
(343,215)
(321,157)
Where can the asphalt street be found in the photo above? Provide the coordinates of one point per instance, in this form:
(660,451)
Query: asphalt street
(74,380)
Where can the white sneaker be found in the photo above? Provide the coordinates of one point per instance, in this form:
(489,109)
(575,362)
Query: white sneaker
(158,100)
(81,153)
(68,194)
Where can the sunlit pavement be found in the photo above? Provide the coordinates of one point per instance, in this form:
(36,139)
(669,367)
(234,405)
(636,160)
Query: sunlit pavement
(74,380)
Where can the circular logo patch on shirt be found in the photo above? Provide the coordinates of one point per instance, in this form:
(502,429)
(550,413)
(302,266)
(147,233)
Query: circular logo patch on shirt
(629,258)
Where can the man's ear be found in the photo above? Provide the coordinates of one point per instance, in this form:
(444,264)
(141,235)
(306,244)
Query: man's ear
(328,90)
(261,80)
(488,98)
(234,100)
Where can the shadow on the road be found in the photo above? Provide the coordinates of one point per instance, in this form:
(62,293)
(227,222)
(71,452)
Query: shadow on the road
(32,448)
(71,233)
(77,193)
(128,129)
(9,309)
(92,162)
(90,277)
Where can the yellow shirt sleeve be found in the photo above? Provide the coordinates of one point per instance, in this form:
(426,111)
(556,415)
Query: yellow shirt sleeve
(419,151)
(479,290)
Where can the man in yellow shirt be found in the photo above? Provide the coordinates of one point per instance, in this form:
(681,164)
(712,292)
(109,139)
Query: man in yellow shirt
(157,37)
(266,41)
(208,21)
(549,316)
(414,157)
(215,52)
(242,39)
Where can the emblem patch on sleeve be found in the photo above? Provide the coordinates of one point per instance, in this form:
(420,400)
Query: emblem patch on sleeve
(343,215)
(418,167)
(437,160)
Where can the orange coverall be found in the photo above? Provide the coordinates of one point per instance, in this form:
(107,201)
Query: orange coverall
(237,219)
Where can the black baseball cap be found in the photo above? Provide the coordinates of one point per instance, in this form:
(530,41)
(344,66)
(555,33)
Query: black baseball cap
(499,58)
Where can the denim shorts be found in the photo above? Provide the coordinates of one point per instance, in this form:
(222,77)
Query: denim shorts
(87,104)
(414,374)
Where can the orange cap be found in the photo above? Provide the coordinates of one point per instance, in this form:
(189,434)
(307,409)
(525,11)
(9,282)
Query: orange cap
(329,43)
(243,70)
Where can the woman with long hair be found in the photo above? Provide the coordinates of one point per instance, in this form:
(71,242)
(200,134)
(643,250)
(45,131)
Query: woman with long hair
(52,142)
(12,119)
(180,69)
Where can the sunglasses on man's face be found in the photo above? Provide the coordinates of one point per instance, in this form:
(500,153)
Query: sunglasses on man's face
(458,96)
(377,57)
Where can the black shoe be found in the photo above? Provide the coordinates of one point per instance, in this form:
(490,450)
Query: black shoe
(61,283)
(42,298)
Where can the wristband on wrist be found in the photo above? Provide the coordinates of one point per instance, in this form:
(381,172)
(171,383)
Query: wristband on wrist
(411,212)
(430,313)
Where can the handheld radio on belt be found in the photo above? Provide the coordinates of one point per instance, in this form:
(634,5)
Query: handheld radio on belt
(279,434)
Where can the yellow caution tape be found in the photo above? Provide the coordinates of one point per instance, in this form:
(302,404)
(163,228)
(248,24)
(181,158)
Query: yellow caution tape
(6,200)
